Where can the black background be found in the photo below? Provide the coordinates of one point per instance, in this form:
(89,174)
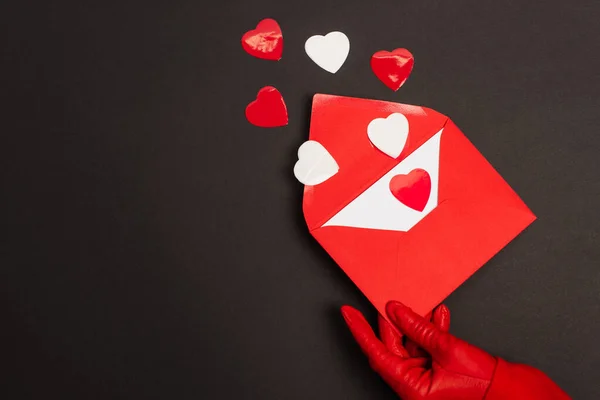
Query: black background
(153,242)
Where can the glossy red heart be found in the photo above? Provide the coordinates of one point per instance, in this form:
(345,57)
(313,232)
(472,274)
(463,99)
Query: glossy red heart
(412,189)
(266,41)
(392,68)
(268,110)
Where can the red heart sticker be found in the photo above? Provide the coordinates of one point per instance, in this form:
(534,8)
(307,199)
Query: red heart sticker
(412,189)
(392,68)
(268,110)
(266,41)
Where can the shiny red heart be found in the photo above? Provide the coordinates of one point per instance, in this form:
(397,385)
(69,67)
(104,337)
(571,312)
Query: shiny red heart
(266,41)
(412,189)
(392,68)
(268,110)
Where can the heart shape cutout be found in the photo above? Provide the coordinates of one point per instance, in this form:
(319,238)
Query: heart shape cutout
(268,110)
(266,41)
(315,165)
(392,67)
(389,134)
(328,52)
(413,189)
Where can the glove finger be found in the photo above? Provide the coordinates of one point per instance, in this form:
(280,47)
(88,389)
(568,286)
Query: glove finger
(441,317)
(391,338)
(425,334)
(373,348)
(413,349)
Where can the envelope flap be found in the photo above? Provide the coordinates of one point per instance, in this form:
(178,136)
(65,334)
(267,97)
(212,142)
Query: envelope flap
(465,174)
(340,125)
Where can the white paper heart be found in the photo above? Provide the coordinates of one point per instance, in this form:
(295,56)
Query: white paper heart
(315,165)
(328,52)
(389,134)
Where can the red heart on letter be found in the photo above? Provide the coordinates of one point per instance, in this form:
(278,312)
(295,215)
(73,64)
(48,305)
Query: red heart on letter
(413,189)
(266,41)
(268,110)
(392,68)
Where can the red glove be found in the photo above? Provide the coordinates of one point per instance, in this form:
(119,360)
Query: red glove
(454,368)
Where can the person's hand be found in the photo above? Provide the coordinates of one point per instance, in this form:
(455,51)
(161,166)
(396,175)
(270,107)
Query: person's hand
(450,369)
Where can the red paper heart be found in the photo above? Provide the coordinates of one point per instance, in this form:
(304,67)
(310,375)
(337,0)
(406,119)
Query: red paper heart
(266,41)
(268,110)
(413,189)
(392,68)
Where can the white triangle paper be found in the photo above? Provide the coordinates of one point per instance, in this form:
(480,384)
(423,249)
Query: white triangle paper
(377,208)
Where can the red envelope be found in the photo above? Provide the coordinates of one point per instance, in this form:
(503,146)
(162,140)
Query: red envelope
(390,250)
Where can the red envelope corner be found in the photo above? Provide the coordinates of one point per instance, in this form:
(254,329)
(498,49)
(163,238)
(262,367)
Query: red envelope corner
(390,251)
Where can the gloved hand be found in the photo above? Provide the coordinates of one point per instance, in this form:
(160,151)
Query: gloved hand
(450,369)
(457,370)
